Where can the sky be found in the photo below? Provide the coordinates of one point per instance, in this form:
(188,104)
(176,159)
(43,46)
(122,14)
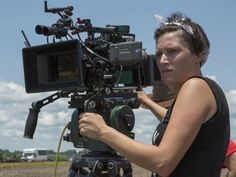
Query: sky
(216,17)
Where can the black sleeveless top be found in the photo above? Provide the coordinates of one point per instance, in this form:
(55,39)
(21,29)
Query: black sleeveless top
(205,157)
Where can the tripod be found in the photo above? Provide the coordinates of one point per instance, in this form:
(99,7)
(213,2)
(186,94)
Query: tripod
(100,164)
(101,160)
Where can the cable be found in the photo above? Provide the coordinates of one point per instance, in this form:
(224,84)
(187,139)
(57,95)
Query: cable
(58,148)
(121,71)
(92,52)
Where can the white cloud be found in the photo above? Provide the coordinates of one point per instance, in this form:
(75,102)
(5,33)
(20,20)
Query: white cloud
(4,116)
(11,92)
(14,109)
(231,98)
(145,125)
(54,118)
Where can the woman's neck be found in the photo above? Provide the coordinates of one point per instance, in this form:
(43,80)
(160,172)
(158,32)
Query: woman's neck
(175,88)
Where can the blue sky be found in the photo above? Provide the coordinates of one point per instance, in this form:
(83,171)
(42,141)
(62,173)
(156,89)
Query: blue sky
(217,19)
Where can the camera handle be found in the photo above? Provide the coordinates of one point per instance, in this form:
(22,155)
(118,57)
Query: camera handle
(32,118)
(56,10)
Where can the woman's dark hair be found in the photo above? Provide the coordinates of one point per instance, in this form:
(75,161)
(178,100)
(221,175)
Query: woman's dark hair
(193,33)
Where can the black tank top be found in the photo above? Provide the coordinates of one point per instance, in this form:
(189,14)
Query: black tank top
(205,156)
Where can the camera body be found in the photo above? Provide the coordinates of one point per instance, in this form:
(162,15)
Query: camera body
(67,65)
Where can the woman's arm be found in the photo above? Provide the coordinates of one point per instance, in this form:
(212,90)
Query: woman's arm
(148,103)
(194,105)
(230,163)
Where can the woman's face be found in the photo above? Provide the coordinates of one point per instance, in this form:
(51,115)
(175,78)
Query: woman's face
(174,59)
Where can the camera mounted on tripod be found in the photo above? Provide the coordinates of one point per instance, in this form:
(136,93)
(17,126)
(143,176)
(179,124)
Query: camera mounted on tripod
(99,74)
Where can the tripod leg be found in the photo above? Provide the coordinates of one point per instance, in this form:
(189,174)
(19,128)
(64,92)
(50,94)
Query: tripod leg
(78,172)
(73,171)
(114,168)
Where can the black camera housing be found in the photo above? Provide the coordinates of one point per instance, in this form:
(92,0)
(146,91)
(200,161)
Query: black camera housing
(62,65)
(53,66)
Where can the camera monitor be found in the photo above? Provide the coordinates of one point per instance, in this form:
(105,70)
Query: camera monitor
(53,66)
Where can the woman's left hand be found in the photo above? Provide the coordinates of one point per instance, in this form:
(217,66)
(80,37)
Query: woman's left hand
(91,125)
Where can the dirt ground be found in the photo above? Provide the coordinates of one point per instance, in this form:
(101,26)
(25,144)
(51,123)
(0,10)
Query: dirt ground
(47,170)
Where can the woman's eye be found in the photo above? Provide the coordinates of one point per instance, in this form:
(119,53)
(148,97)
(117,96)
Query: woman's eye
(173,51)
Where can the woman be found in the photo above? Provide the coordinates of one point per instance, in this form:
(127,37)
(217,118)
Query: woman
(193,136)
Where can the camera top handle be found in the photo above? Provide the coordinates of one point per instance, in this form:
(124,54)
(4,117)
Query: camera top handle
(56,10)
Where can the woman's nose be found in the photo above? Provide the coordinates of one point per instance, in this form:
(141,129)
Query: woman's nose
(163,58)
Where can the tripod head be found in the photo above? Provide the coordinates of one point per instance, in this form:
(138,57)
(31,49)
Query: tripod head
(115,106)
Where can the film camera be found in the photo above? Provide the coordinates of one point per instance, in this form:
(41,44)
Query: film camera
(100,74)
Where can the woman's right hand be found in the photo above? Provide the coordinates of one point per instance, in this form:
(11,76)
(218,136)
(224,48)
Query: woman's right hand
(147,103)
(143,99)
